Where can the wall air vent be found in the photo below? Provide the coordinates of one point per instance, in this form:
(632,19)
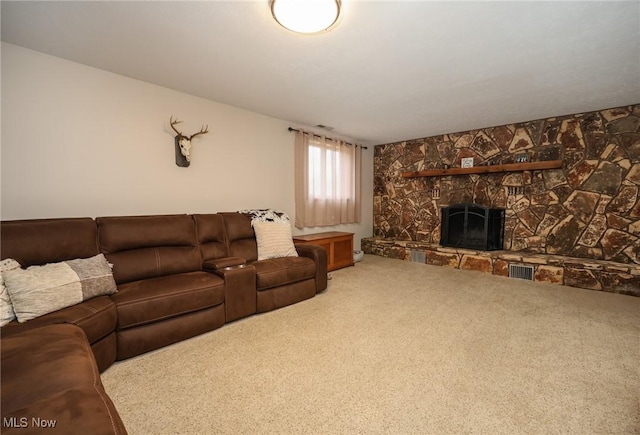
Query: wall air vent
(418,256)
(521,272)
(324,127)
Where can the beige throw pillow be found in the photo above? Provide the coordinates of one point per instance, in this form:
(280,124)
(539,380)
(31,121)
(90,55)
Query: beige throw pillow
(40,290)
(6,308)
(274,240)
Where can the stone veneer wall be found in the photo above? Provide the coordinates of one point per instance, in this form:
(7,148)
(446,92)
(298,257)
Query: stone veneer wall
(588,209)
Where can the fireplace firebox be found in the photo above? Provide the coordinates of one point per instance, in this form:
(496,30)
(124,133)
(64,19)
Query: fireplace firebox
(472,226)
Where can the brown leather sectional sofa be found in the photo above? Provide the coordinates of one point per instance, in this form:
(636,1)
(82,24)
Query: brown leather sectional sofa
(177,276)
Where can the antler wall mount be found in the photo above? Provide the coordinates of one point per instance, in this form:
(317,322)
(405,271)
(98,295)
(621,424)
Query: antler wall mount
(183,143)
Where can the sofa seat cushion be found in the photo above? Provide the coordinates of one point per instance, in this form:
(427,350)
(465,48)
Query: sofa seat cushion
(50,373)
(281,271)
(97,318)
(154,299)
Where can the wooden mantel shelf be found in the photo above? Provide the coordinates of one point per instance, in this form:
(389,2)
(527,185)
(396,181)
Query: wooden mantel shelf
(511,167)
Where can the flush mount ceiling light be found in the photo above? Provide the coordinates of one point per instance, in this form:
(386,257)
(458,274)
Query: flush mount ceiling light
(305,16)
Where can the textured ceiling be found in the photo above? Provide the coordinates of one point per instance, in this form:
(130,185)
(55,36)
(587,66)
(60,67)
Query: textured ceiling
(388,71)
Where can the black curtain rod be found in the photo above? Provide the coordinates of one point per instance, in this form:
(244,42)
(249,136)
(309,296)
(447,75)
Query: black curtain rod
(317,135)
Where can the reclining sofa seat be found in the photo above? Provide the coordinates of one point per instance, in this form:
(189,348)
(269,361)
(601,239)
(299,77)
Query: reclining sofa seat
(279,281)
(163,295)
(41,241)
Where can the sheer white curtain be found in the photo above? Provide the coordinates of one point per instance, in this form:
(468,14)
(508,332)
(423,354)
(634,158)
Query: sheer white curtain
(327,181)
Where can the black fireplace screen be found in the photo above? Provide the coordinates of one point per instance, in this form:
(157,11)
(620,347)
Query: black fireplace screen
(472,226)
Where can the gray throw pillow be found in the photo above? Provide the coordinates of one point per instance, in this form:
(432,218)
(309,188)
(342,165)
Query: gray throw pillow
(40,290)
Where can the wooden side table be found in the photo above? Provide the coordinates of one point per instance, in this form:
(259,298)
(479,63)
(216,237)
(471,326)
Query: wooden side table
(339,247)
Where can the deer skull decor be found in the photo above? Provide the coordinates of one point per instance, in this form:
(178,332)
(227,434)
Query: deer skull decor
(183,143)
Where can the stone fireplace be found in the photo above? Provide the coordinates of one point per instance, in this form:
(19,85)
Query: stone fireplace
(586,212)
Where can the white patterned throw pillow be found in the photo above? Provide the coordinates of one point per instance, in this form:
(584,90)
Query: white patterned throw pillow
(40,290)
(6,308)
(274,240)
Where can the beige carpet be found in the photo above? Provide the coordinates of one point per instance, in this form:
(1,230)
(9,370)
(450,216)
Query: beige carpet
(394,347)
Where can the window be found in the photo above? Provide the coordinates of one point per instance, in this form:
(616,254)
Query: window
(324,172)
(327,181)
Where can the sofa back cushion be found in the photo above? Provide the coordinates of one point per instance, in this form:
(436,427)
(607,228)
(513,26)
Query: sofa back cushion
(142,247)
(210,231)
(41,241)
(241,240)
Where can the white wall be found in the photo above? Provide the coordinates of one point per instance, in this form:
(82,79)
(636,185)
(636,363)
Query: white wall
(79,141)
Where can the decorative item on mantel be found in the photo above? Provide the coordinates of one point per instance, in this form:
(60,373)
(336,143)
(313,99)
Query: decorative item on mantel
(466,162)
(183,143)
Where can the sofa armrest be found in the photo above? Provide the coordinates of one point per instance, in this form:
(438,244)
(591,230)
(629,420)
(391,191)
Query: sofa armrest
(319,256)
(221,263)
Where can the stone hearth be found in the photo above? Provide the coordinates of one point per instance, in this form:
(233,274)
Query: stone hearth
(575,272)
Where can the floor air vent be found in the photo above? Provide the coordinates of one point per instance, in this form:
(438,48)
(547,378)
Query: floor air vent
(417,256)
(521,272)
